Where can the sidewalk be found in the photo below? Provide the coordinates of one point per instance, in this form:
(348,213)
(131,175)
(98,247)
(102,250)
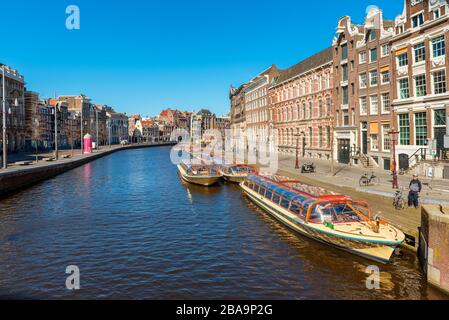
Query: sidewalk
(434,191)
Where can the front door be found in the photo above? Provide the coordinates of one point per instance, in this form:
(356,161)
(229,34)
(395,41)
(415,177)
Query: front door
(365,142)
(439,134)
(344,151)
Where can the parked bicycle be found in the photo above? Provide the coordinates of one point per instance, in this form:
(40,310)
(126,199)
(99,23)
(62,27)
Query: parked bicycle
(367,180)
(399,200)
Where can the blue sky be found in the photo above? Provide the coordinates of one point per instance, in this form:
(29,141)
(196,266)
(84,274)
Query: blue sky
(143,56)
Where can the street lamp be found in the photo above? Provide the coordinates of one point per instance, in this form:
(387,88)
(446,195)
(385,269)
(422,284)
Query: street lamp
(55,112)
(297,151)
(394,136)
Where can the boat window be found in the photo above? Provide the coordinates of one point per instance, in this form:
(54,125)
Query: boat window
(285,203)
(276,198)
(251,185)
(269,194)
(262,191)
(256,188)
(295,208)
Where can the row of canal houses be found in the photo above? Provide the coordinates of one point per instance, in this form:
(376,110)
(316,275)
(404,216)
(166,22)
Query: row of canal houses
(347,101)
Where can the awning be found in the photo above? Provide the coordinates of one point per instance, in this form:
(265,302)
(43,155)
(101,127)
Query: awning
(385,68)
(374,128)
(401,51)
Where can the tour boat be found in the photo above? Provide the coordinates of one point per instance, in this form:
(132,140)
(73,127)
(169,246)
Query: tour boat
(237,173)
(204,175)
(336,220)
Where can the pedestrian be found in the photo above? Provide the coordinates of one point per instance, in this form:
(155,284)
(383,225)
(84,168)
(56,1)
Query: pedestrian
(415,189)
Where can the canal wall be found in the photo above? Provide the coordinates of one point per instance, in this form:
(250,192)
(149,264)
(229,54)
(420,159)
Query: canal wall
(17,179)
(434,245)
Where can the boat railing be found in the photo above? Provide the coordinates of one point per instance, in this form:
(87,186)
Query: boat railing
(374,224)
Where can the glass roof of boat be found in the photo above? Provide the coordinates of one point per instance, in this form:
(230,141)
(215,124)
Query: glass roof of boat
(283,191)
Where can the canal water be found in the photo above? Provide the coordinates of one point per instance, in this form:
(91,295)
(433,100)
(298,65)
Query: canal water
(136,231)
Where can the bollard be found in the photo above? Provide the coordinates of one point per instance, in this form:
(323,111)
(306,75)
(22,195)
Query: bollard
(434,245)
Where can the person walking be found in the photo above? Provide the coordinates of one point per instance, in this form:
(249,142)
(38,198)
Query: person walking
(415,189)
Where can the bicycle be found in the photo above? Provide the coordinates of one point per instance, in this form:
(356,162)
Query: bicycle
(399,200)
(366,180)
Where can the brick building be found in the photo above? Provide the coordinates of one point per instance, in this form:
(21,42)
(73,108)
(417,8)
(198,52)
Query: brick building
(362,96)
(300,100)
(420,83)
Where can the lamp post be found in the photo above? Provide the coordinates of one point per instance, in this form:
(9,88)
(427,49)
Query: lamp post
(56,131)
(297,151)
(394,136)
(5,143)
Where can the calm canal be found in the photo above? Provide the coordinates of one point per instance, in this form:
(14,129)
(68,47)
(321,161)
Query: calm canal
(136,231)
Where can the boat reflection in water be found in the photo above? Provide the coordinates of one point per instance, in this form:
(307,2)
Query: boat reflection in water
(203,175)
(332,219)
(238,173)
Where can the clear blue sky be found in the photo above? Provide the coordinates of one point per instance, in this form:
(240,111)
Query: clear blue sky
(142,56)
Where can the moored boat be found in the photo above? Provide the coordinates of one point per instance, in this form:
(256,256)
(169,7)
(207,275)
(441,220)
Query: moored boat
(204,175)
(336,220)
(238,173)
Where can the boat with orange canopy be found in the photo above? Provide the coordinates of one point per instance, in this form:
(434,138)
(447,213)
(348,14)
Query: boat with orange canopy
(333,219)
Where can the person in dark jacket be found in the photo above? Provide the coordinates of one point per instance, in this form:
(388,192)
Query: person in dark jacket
(415,189)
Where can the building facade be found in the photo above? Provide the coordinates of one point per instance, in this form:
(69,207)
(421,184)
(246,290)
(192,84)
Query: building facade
(257,117)
(362,95)
(15,108)
(420,82)
(117,125)
(300,107)
(237,114)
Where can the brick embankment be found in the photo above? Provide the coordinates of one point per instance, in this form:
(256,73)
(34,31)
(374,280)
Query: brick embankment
(15,179)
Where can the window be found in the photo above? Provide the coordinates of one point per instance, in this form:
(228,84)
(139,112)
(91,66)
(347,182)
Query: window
(345,118)
(437,13)
(363,106)
(404,129)
(421,128)
(438,47)
(374,142)
(385,50)
(386,107)
(418,20)
(362,80)
(328,136)
(344,52)
(362,57)
(345,95)
(420,52)
(386,142)
(344,72)
(328,105)
(403,60)
(373,55)
(420,85)
(400,29)
(374,105)
(385,77)
(440,117)
(373,78)
(404,90)
(439,82)
(320,137)
(310,137)
(372,35)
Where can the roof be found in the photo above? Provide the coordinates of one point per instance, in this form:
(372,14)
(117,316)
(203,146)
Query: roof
(304,66)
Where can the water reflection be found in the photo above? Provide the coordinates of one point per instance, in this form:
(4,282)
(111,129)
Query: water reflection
(137,231)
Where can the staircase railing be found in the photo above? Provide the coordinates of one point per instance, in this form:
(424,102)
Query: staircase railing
(419,155)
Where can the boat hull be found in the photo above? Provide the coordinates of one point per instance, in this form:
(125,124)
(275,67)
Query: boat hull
(379,252)
(205,181)
(233,178)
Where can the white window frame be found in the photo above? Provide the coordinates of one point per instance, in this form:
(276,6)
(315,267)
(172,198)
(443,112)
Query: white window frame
(399,88)
(364,111)
(416,87)
(382,77)
(363,54)
(371,110)
(421,13)
(383,104)
(433,81)
(371,73)
(383,54)
(360,80)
